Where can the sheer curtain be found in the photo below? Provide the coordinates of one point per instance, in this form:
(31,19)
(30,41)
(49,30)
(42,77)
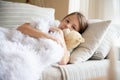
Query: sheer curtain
(79,5)
(74,5)
(100,9)
(108,9)
(116,10)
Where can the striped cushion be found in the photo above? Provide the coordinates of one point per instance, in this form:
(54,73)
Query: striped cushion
(13,14)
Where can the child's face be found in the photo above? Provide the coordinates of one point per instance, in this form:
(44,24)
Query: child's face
(70,22)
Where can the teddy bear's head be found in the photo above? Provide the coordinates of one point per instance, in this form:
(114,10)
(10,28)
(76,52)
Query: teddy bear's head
(72,39)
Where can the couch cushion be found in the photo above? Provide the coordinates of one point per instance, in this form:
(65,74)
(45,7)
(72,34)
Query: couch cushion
(109,40)
(104,47)
(13,14)
(93,37)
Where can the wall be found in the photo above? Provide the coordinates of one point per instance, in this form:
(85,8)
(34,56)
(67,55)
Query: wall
(60,6)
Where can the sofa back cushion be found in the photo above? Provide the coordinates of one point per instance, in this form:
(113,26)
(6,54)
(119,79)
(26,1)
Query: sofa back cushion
(13,14)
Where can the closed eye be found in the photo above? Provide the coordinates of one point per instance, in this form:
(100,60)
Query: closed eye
(74,27)
(67,21)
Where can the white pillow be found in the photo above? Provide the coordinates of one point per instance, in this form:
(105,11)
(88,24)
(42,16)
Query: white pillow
(13,14)
(93,36)
(107,43)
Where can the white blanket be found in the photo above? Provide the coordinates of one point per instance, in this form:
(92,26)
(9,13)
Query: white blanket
(23,57)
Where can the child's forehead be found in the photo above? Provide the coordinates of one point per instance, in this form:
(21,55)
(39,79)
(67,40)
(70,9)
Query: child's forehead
(72,16)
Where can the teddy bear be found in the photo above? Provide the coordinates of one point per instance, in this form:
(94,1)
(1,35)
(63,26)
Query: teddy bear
(72,39)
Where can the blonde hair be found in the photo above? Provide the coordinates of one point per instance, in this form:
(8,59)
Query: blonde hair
(83,24)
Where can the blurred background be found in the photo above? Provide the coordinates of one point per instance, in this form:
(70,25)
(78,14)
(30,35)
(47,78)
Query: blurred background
(100,9)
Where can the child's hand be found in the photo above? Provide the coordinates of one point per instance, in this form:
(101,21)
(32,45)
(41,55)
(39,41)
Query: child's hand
(53,29)
(62,40)
(57,40)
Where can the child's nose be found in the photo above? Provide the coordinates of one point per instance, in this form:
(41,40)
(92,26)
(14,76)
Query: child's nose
(69,26)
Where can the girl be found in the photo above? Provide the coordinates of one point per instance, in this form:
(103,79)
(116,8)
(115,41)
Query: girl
(74,21)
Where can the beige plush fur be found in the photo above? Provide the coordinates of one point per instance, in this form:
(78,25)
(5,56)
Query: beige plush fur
(72,39)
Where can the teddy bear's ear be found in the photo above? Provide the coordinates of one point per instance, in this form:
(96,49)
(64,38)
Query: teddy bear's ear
(82,40)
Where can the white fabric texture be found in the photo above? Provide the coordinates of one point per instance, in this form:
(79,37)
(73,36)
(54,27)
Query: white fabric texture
(89,70)
(13,14)
(85,70)
(44,24)
(18,63)
(52,73)
(93,37)
(110,38)
(82,71)
(23,57)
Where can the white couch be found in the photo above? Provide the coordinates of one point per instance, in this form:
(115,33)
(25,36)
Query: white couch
(14,14)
